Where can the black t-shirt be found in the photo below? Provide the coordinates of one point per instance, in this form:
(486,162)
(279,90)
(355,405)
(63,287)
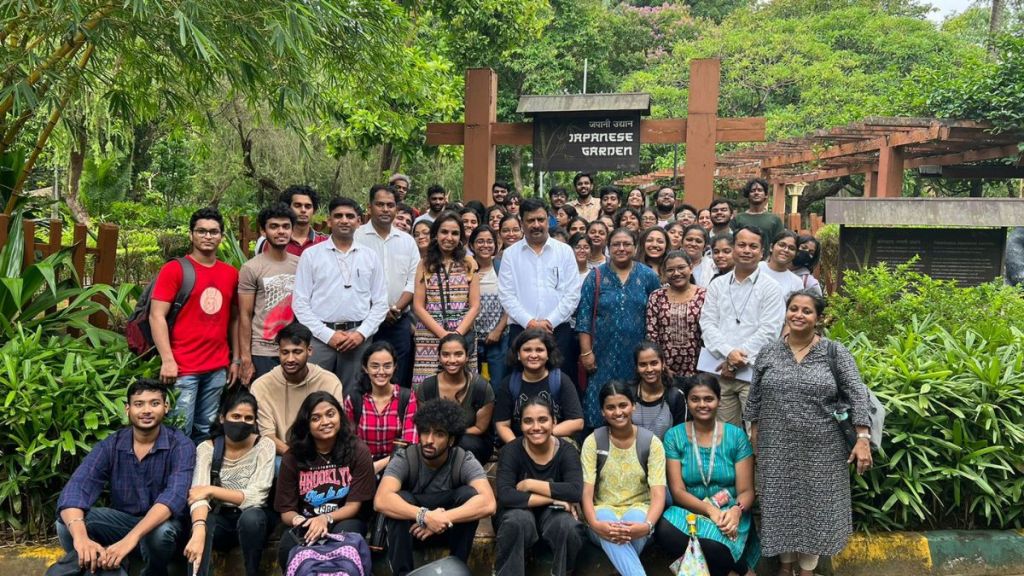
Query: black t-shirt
(564,473)
(567,405)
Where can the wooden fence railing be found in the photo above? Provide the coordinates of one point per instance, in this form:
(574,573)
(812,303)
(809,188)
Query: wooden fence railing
(796,222)
(105,253)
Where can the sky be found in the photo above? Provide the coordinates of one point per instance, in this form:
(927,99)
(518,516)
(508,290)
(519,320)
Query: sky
(947,7)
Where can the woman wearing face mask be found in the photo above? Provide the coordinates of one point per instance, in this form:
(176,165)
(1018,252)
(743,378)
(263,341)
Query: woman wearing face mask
(710,470)
(622,497)
(326,476)
(610,319)
(232,509)
(539,480)
(457,382)
(381,411)
(808,254)
(492,338)
(673,315)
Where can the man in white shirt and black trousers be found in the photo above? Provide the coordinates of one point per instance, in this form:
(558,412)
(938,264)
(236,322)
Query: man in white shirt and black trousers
(743,311)
(539,283)
(340,294)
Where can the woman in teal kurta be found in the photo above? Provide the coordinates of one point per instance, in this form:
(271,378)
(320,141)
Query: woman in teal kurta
(608,338)
(719,489)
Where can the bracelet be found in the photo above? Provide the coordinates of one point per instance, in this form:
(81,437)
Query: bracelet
(421,517)
(300,518)
(650,527)
(587,353)
(740,506)
(72,521)
(863,436)
(330,519)
(237,362)
(199,523)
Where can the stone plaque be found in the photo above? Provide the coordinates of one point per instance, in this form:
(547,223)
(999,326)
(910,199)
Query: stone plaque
(587,143)
(969,256)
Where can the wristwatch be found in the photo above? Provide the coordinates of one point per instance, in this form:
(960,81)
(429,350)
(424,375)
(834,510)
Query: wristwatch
(330,520)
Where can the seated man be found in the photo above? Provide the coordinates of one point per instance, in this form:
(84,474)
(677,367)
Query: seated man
(149,469)
(433,488)
(281,391)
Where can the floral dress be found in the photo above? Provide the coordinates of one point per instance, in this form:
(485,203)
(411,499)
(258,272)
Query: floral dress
(675,326)
(447,302)
(617,329)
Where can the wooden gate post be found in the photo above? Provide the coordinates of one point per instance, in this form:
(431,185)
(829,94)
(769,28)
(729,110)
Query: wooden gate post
(103,273)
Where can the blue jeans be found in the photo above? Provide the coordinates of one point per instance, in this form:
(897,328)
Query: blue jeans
(106,526)
(494,355)
(198,399)
(625,557)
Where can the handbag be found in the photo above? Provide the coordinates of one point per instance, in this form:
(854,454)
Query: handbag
(876,411)
(581,372)
(692,562)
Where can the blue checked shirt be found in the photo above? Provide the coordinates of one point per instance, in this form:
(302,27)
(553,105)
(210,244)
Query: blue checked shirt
(163,476)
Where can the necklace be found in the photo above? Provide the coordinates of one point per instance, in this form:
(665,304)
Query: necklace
(705,478)
(732,300)
(343,268)
(805,347)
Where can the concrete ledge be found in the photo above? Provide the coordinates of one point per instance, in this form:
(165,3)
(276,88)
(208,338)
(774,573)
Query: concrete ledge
(938,553)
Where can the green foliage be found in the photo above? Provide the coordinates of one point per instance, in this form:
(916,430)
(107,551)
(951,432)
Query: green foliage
(953,456)
(947,363)
(60,396)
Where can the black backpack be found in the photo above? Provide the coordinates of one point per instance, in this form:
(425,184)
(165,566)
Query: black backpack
(137,330)
(456,457)
(429,389)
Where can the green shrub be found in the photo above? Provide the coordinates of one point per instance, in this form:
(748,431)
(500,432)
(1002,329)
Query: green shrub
(61,396)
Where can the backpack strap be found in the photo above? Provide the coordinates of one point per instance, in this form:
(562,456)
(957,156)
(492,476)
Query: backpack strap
(515,385)
(479,392)
(430,388)
(404,394)
(458,458)
(642,443)
(218,460)
(601,443)
(644,438)
(555,384)
(356,399)
(412,454)
(188,282)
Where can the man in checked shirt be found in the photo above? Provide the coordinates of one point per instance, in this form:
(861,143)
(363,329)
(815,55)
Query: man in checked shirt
(148,468)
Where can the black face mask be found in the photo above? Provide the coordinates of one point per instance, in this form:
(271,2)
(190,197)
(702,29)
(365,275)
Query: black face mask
(803,259)
(238,431)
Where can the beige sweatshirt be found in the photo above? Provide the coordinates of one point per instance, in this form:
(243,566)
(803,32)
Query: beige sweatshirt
(279,399)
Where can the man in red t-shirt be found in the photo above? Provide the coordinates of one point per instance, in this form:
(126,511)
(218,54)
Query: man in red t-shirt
(196,354)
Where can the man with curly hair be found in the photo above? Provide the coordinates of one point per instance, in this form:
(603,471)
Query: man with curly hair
(433,489)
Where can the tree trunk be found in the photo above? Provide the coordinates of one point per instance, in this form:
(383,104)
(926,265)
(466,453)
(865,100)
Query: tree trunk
(144,136)
(76,161)
(995,23)
(517,170)
(387,160)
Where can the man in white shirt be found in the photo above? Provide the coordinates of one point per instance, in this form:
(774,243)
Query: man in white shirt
(340,294)
(743,311)
(399,251)
(539,283)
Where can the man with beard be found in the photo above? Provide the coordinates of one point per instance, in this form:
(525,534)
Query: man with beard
(611,200)
(558,197)
(757,214)
(433,489)
(722,210)
(539,283)
(304,201)
(402,256)
(265,285)
(588,207)
(437,198)
(148,467)
(281,391)
(499,193)
(743,311)
(195,353)
(341,294)
(665,205)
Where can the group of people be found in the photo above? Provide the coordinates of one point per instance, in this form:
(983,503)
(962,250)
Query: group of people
(628,372)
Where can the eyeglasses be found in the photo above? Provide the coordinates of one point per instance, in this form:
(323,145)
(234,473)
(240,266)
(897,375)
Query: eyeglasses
(622,244)
(381,367)
(205,232)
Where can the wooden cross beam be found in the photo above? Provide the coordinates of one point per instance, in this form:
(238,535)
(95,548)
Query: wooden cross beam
(701,130)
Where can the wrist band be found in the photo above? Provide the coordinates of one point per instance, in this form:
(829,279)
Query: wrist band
(70,522)
(740,506)
(650,527)
(421,518)
(199,523)
(864,436)
(587,353)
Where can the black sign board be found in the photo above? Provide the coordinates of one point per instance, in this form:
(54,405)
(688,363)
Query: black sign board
(969,256)
(587,143)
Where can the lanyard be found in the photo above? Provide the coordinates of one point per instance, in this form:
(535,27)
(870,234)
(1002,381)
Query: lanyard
(706,479)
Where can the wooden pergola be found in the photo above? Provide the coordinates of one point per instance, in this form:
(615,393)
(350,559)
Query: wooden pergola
(880,148)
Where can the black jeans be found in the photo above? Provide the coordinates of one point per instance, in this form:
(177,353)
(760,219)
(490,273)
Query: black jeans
(399,335)
(518,530)
(247,528)
(459,537)
(263,364)
(718,556)
(565,339)
(289,539)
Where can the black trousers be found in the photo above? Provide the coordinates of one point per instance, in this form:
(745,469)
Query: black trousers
(459,537)
(565,339)
(230,527)
(518,530)
(290,539)
(480,446)
(718,556)
(399,335)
